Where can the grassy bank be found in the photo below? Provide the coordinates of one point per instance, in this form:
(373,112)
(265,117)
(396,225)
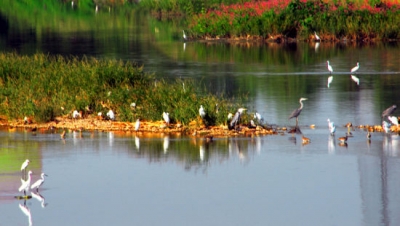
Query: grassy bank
(333,20)
(44,87)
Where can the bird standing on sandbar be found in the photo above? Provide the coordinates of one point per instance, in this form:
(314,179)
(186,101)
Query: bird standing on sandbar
(296,113)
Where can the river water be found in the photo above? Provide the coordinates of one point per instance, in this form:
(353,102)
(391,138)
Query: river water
(138,179)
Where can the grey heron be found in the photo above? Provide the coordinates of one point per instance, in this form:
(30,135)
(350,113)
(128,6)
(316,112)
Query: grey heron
(389,111)
(330,69)
(354,69)
(236,118)
(39,182)
(296,113)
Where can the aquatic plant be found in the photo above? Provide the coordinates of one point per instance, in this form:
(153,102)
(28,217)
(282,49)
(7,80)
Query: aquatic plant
(45,87)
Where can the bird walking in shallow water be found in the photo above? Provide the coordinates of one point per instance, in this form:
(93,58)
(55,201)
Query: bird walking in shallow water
(330,69)
(305,140)
(354,69)
(39,182)
(296,113)
(25,183)
(332,127)
(343,139)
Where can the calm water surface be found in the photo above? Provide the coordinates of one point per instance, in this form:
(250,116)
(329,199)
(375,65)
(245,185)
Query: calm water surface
(118,179)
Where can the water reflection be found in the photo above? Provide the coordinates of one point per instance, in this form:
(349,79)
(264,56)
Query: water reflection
(40,198)
(137,143)
(25,210)
(355,79)
(166,144)
(331,144)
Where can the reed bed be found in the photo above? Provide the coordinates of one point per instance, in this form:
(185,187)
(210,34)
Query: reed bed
(45,87)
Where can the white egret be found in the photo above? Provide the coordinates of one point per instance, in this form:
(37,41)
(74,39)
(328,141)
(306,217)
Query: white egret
(330,69)
(165,116)
(354,69)
(137,124)
(202,112)
(389,111)
(111,115)
(355,79)
(39,182)
(317,38)
(25,184)
(258,117)
(23,167)
(332,127)
(184,35)
(76,114)
(394,120)
(296,113)
(330,79)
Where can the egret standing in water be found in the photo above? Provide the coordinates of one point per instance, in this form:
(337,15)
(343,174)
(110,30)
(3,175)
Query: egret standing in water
(330,69)
(23,167)
(236,118)
(354,69)
(332,127)
(26,184)
(39,182)
(296,113)
(388,111)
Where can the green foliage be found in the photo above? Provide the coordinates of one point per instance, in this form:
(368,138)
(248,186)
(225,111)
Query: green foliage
(41,86)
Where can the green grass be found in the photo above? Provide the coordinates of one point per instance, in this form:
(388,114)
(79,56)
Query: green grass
(42,86)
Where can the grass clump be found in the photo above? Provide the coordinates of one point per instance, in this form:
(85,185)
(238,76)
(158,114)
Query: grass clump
(45,87)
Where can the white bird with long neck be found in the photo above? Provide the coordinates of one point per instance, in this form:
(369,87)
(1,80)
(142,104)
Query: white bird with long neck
(25,184)
(330,69)
(332,127)
(39,182)
(137,125)
(317,38)
(354,69)
(165,116)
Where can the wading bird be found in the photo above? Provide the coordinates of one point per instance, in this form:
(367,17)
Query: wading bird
(330,69)
(202,112)
(354,69)
(23,167)
(111,115)
(386,126)
(39,182)
(317,38)
(236,118)
(137,125)
(343,139)
(296,113)
(349,126)
(389,111)
(258,117)
(332,127)
(394,120)
(305,140)
(184,35)
(165,116)
(25,184)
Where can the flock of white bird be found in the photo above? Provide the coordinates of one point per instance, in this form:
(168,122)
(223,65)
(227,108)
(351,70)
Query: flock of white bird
(26,182)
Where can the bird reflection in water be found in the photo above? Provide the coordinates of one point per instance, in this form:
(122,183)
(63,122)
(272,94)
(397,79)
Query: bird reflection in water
(40,198)
(137,143)
(331,144)
(26,211)
(355,79)
(166,144)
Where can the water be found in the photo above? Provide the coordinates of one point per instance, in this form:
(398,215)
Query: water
(165,179)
